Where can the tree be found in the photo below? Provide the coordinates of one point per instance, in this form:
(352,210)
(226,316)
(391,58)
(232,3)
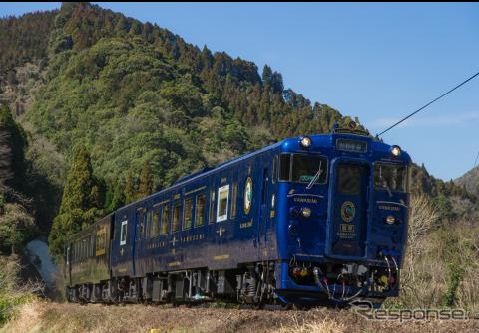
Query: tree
(266,75)
(277,83)
(80,202)
(12,151)
(145,187)
(15,226)
(130,191)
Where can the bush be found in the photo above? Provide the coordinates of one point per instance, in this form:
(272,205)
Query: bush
(440,266)
(12,292)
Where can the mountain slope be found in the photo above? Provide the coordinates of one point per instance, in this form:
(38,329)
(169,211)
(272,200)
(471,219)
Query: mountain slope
(470,181)
(134,93)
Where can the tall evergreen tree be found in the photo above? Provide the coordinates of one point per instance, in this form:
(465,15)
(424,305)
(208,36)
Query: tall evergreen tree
(118,199)
(12,151)
(80,203)
(145,187)
(130,191)
(266,75)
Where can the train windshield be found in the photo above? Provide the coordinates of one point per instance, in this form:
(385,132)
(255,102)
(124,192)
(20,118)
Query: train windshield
(301,168)
(390,177)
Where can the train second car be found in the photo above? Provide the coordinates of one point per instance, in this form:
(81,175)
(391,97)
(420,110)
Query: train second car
(309,220)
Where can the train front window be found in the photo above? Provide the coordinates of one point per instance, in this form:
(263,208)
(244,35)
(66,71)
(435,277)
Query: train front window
(308,168)
(285,165)
(390,177)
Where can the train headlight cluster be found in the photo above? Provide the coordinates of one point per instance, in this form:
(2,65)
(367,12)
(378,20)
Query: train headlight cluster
(305,142)
(305,212)
(396,151)
(390,220)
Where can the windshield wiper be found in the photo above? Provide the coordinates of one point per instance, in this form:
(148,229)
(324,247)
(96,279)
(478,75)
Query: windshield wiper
(385,183)
(316,176)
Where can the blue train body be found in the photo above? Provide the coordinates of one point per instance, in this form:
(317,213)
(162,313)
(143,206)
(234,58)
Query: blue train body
(305,220)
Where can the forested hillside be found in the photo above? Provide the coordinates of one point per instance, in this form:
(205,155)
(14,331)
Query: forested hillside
(144,106)
(470,180)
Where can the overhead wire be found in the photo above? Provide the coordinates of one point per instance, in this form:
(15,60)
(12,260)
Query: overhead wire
(429,103)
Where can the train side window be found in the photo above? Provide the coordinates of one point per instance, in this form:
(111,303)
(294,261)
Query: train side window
(212,206)
(176,217)
(83,249)
(141,221)
(155,223)
(234,195)
(92,243)
(274,173)
(100,247)
(200,210)
(75,251)
(165,218)
(188,220)
(148,224)
(284,167)
(222,212)
(124,228)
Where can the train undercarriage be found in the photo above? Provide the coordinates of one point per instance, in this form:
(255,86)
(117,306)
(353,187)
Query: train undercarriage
(251,284)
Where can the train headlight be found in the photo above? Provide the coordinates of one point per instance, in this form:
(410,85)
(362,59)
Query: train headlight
(396,151)
(305,142)
(306,212)
(390,219)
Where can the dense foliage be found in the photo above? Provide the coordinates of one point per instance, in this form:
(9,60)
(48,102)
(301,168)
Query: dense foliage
(137,95)
(81,202)
(147,108)
(15,222)
(23,39)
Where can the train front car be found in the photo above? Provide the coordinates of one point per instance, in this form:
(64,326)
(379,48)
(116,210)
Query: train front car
(342,228)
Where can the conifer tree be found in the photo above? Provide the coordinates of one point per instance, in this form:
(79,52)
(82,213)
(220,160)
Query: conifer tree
(266,75)
(12,148)
(145,187)
(80,203)
(129,188)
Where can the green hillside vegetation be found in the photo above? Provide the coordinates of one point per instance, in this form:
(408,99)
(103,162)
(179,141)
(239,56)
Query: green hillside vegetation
(15,221)
(147,108)
(114,109)
(470,180)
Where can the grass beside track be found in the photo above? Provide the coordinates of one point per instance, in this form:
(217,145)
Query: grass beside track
(41,316)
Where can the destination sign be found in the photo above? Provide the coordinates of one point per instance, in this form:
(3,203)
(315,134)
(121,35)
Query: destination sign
(351,145)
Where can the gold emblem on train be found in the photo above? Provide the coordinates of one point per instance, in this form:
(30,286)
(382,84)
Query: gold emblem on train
(348,211)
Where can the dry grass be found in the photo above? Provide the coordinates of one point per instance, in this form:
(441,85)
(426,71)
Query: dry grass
(46,317)
(435,254)
(325,325)
(13,292)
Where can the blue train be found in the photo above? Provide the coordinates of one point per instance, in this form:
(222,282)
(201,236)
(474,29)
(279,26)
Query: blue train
(308,220)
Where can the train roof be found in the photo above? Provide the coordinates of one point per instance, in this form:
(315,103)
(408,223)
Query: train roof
(319,140)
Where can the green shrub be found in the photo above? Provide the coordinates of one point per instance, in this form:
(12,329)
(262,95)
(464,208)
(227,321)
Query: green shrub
(12,292)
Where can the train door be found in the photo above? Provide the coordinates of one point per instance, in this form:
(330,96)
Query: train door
(68,269)
(265,195)
(349,204)
(140,219)
(122,243)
